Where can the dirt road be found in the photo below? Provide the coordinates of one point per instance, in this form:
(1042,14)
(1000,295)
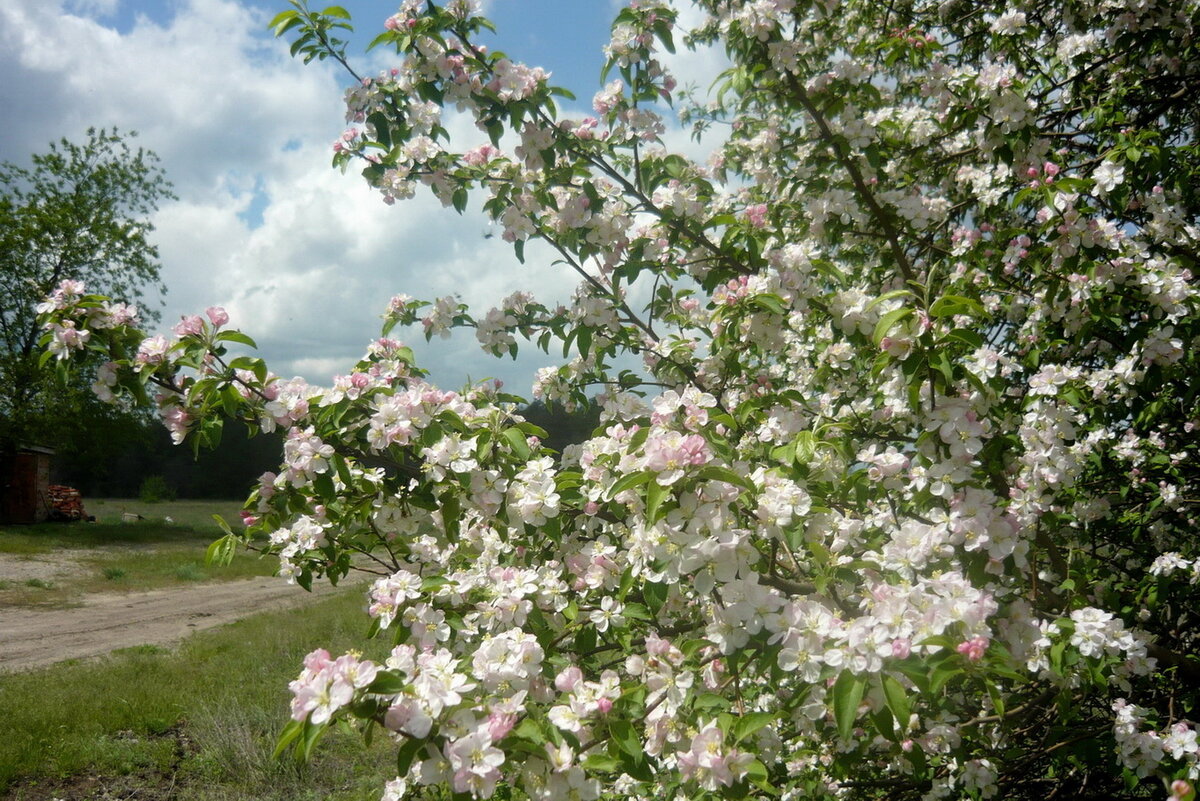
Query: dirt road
(31,638)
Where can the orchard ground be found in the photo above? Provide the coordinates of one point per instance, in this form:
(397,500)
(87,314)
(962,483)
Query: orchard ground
(105,605)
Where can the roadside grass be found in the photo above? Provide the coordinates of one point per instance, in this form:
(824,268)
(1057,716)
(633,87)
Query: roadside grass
(111,555)
(195,724)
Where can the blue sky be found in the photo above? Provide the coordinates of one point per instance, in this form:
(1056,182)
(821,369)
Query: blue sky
(303,257)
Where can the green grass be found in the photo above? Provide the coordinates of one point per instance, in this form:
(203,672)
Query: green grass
(127,556)
(196,724)
(190,572)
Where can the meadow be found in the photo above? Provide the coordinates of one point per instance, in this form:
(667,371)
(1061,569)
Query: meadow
(131,546)
(196,722)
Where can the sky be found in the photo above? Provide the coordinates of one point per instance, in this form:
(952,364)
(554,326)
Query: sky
(303,257)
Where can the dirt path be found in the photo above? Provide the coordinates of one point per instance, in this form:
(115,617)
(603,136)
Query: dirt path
(32,638)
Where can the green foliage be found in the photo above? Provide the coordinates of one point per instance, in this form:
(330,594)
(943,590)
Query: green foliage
(155,489)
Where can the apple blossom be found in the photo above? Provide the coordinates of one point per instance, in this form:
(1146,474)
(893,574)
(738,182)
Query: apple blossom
(893,491)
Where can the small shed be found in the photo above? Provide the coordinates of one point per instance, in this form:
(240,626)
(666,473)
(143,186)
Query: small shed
(25,471)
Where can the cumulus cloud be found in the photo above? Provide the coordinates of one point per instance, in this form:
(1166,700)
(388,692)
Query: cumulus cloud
(304,258)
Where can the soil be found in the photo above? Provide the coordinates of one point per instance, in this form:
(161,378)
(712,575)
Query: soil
(32,638)
(144,785)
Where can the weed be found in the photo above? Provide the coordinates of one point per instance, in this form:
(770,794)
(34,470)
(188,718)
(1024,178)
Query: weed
(22,546)
(114,573)
(40,584)
(190,572)
(155,489)
(144,650)
(197,723)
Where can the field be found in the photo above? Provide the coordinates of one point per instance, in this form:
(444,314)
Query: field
(194,722)
(54,564)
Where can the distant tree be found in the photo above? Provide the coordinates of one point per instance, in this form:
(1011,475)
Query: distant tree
(563,427)
(80,212)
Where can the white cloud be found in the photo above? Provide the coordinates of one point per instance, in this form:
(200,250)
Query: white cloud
(243,131)
(304,258)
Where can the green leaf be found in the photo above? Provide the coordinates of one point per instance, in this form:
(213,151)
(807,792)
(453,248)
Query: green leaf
(847,695)
(897,699)
(635,611)
(883,722)
(951,305)
(710,700)
(286,737)
(655,493)
(221,551)
(748,725)
(966,335)
(626,738)
(714,472)
(601,763)
(235,336)
(283,16)
(529,729)
(406,754)
(806,447)
(941,675)
(772,303)
(386,683)
(997,697)
(756,774)
(655,595)
(888,321)
(629,481)
(516,440)
(308,740)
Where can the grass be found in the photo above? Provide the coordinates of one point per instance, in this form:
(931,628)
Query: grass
(191,522)
(112,555)
(196,724)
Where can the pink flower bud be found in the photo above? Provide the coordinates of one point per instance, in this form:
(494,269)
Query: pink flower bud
(217,315)
(973,649)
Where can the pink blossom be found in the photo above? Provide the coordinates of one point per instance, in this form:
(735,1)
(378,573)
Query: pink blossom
(973,649)
(757,215)
(191,324)
(566,680)
(217,315)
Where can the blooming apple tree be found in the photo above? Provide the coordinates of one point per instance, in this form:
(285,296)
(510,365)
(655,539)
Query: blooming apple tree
(895,489)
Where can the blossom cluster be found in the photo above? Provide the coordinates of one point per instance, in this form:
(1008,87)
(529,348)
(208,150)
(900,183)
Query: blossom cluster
(897,413)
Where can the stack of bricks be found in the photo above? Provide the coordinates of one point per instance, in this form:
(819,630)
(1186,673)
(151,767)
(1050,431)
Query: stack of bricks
(65,503)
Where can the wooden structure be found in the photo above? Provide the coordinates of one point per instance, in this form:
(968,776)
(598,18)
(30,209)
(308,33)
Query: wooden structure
(25,475)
